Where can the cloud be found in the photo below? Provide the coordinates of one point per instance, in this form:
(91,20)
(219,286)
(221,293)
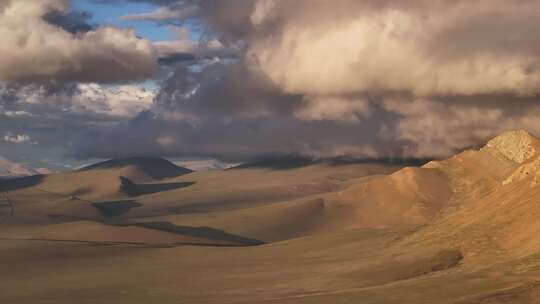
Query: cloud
(370,78)
(14,113)
(79,98)
(423,48)
(227,112)
(17,139)
(54,116)
(187,48)
(333,108)
(38,44)
(438,128)
(357,78)
(176,13)
(61,77)
(71,21)
(124,100)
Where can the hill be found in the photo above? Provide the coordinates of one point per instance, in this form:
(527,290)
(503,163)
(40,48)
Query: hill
(458,230)
(101,180)
(156,168)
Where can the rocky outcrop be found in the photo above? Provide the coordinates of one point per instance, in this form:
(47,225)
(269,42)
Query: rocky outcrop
(527,170)
(521,148)
(517,146)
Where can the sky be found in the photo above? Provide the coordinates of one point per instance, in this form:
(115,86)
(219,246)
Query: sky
(238,80)
(111,14)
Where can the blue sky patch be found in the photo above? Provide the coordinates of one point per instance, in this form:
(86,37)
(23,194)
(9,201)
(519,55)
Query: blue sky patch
(110,13)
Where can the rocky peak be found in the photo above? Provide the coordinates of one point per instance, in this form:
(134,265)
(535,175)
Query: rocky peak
(517,146)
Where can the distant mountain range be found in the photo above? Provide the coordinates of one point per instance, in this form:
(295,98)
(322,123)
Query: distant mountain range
(149,167)
(204,164)
(11,169)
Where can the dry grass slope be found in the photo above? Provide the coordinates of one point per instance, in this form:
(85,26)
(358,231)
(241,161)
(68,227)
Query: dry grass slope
(461,230)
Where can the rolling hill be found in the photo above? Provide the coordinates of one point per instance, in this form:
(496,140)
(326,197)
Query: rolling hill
(459,230)
(147,167)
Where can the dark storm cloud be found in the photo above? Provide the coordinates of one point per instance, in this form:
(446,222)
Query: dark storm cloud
(72,21)
(177,57)
(40,122)
(334,78)
(356,78)
(239,140)
(230,113)
(185,48)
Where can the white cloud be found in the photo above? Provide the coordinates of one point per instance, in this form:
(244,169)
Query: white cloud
(34,50)
(113,100)
(164,14)
(17,139)
(424,48)
(123,100)
(183,43)
(14,113)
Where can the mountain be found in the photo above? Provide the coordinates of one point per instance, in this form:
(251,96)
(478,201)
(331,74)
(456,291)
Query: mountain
(204,164)
(11,169)
(461,230)
(156,168)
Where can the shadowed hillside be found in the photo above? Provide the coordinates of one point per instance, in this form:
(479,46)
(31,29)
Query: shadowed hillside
(103,181)
(134,189)
(157,168)
(460,230)
(10,184)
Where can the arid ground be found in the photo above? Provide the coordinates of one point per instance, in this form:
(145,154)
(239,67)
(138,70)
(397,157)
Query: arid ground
(141,230)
